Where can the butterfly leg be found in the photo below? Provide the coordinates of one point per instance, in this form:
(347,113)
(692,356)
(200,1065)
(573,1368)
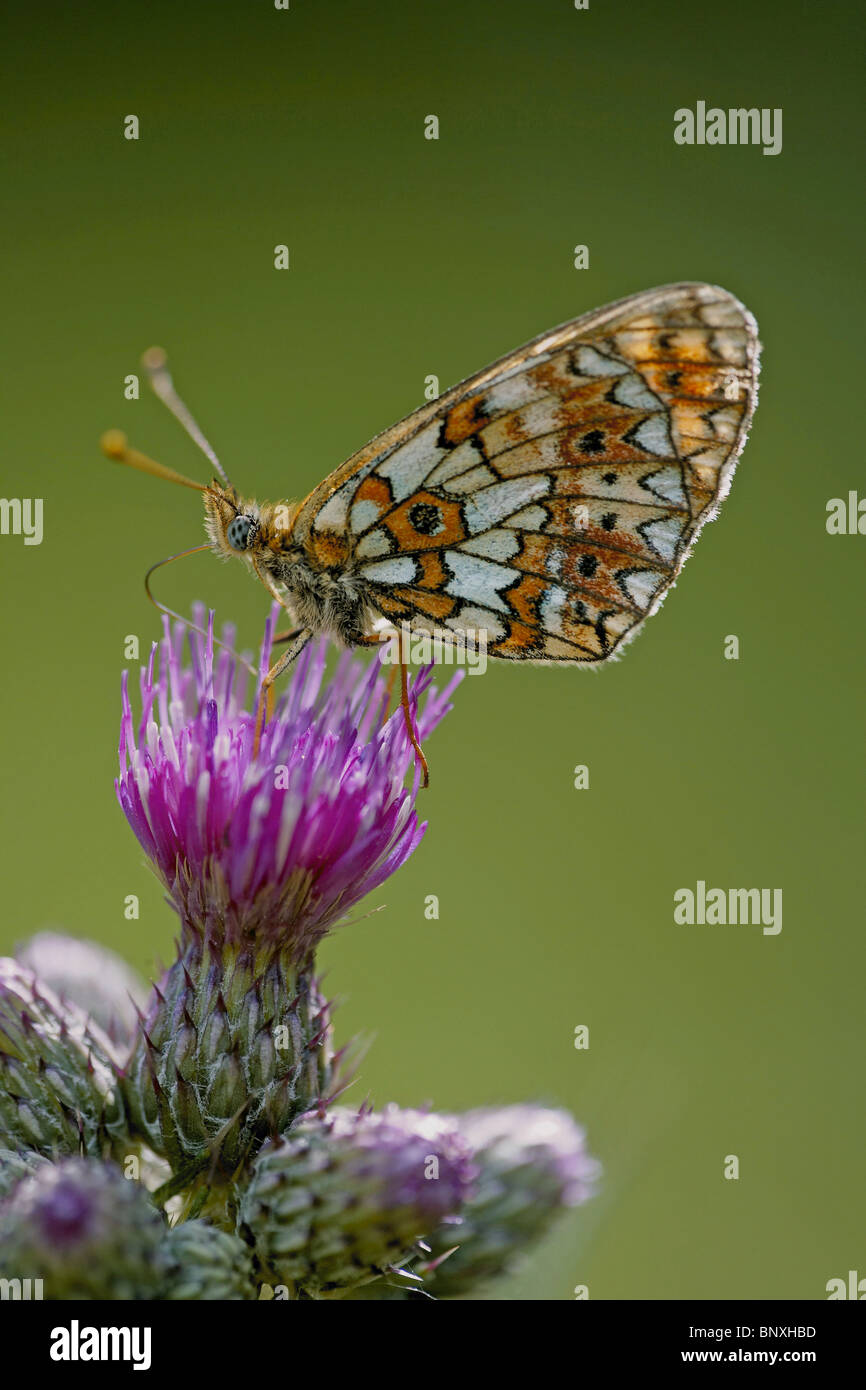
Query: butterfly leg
(410,723)
(389,691)
(265,706)
(375,641)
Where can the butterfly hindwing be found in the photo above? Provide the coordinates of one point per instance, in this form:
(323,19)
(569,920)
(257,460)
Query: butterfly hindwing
(552,499)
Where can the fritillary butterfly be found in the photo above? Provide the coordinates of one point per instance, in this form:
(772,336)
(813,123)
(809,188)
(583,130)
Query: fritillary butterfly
(547,503)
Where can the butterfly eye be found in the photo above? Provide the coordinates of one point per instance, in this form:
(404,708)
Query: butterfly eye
(237,532)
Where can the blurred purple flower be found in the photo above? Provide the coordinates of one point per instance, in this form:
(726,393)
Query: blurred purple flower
(96,979)
(280,846)
(538,1140)
(83,1229)
(532,1163)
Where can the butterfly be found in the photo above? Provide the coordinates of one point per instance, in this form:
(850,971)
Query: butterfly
(546,504)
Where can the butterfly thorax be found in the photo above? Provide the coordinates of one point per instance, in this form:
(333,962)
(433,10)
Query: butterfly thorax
(333,600)
(319,581)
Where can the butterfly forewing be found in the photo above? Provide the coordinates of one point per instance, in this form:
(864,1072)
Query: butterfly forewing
(552,499)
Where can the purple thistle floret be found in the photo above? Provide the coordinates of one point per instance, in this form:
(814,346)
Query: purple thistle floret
(399,1142)
(66,1213)
(280,846)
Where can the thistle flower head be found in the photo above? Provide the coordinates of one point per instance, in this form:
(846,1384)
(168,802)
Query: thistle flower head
(341,1197)
(532,1163)
(83,1229)
(275,847)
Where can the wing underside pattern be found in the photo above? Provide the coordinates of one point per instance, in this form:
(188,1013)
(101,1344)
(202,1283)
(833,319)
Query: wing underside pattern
(552,499)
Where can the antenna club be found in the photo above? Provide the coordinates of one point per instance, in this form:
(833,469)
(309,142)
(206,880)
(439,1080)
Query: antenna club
(154,359)
(114,445)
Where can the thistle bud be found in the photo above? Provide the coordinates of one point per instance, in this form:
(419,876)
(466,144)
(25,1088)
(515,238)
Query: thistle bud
(204,1263)
(532,1163)
(341,1198)
(232,1048)
(58,1086)
(84,1230)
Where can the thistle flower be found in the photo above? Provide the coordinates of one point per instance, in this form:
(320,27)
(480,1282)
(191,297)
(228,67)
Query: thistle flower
(343,1196)
(58,1086)
(84,1230)
(532,1163)
(280,846)
(261,856)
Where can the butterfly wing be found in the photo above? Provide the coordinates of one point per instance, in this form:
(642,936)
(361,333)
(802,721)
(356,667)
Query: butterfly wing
(552,500)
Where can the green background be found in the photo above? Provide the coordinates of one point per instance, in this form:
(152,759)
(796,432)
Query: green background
(411,257)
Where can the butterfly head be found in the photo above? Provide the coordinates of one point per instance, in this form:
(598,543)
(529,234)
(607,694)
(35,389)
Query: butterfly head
(232,524)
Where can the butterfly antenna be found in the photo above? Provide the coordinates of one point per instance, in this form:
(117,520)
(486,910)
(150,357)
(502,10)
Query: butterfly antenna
(154,363)
(163,608)
(116,446)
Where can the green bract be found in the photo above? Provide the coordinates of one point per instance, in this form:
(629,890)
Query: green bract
(58,1084)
